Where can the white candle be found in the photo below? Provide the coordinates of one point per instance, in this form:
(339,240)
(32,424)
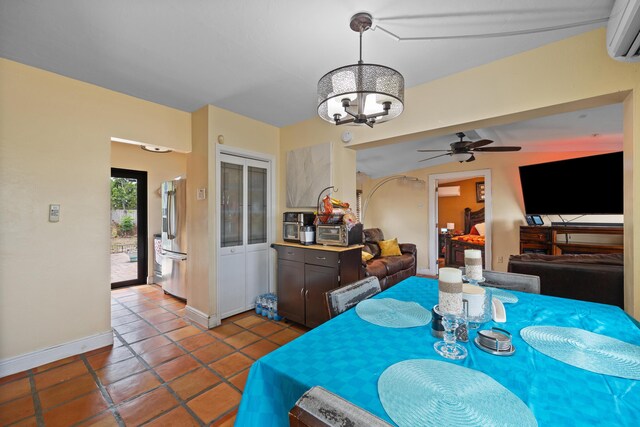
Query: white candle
(450,290)
(475,298)
(473,264)
(472,253)
(450,275)
(451,226)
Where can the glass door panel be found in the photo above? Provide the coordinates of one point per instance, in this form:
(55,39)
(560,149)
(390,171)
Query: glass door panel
(232,224)
(257,183)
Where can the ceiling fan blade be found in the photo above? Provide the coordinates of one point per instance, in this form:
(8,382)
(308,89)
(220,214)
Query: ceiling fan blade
(435,157)
(480,143)
(494,149)
(431,151)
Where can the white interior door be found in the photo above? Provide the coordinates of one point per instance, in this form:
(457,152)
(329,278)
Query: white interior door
(243,267)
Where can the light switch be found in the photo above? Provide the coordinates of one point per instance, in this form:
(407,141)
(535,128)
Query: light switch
(54,213)
(201,194)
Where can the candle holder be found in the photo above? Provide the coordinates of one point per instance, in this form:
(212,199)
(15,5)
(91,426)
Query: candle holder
(449,348)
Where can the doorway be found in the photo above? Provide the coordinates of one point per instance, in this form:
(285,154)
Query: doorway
(128,227)
(435,242)
(245,213)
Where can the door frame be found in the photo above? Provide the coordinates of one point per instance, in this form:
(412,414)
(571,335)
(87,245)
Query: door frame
(432,215)
(271,212)
(143,259)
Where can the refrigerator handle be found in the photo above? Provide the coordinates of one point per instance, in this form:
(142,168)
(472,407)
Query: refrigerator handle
(170,213)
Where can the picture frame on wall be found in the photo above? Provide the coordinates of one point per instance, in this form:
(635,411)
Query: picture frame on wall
(480,192)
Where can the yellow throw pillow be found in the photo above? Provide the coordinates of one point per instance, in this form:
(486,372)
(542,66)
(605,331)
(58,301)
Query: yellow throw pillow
(366,256)
(389,247)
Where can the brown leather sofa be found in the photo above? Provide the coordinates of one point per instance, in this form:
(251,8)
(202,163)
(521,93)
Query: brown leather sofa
(587,277)
(389,269)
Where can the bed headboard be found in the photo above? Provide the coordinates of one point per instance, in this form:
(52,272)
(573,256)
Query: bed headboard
(472,218)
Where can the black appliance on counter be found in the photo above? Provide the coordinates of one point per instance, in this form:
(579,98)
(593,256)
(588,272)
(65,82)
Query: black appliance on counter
(292,223)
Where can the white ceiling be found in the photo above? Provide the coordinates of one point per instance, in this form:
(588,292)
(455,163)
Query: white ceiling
(595,129)
(263,58)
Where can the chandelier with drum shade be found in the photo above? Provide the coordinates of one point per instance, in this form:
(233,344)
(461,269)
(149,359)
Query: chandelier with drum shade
(361,93)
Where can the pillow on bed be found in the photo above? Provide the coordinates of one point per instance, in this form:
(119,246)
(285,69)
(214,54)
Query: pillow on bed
(479,228)
(474,231)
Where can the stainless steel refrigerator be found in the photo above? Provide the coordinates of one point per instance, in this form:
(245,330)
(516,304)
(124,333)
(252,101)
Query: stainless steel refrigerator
(174,237)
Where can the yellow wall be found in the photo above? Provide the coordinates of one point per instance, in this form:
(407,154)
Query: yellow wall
(569,75)
(402,210)
(55,148)
(238,132)
(160,167)
(451,209)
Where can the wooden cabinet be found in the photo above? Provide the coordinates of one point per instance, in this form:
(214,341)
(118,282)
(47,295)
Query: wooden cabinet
(535,240)
(305,273)
(554,240)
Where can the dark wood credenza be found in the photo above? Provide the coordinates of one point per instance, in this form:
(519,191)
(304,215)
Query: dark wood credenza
(552,240)
(305,273)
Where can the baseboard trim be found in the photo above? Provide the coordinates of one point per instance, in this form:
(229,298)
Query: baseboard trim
(51,354)
(201,318)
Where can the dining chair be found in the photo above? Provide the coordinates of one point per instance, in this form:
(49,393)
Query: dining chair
(511,281)
(341,299)
(319,407)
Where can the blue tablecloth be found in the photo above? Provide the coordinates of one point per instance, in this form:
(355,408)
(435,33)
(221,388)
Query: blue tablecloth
(347,355)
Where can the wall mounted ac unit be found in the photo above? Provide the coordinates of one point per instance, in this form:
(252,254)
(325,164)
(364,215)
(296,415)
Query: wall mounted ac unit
(623,31)
(449,191)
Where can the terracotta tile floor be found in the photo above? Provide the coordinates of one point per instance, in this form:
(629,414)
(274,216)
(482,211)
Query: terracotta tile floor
(162,370)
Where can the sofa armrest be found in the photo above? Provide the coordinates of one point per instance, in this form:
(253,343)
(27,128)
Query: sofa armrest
(408,248)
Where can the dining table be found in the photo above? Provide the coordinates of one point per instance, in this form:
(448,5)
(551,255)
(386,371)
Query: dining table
(347,355)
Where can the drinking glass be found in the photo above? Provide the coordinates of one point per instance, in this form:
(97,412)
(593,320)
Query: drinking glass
(449,348)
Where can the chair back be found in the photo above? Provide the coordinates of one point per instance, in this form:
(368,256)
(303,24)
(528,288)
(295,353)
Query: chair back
(342,299)
(513,281)
(319,407)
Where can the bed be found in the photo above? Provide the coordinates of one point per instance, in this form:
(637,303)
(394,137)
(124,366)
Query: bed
(471,239)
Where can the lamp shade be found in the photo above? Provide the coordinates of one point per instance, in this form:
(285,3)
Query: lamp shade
(366,86)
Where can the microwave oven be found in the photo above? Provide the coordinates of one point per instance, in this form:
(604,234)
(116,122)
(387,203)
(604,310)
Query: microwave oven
(338,234)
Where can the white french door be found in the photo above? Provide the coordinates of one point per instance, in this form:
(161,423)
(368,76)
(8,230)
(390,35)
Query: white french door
(244,206)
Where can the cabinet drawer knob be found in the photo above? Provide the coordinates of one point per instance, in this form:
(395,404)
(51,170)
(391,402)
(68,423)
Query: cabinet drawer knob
(321,257)
(306,294)
(302,293)
(289,253)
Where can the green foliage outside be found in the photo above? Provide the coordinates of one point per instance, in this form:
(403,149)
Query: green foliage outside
(124,193)
(127,225)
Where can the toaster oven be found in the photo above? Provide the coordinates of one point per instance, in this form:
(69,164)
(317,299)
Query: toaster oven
(338,234)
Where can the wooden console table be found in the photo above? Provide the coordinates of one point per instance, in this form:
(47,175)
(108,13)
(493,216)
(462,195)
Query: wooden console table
(545,240)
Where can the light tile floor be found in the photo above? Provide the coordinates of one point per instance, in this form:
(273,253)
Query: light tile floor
(162,370)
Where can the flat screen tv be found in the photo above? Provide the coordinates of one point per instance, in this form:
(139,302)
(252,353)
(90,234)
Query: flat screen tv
(584,186)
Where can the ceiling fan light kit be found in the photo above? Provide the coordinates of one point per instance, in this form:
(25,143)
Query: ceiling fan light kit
(361,93)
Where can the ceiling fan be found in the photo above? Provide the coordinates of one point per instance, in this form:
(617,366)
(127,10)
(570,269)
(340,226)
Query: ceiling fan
(461,149)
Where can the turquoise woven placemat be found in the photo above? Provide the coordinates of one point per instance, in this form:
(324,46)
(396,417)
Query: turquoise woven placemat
(586,350)
(423,392)
(504,296)
(391,313)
